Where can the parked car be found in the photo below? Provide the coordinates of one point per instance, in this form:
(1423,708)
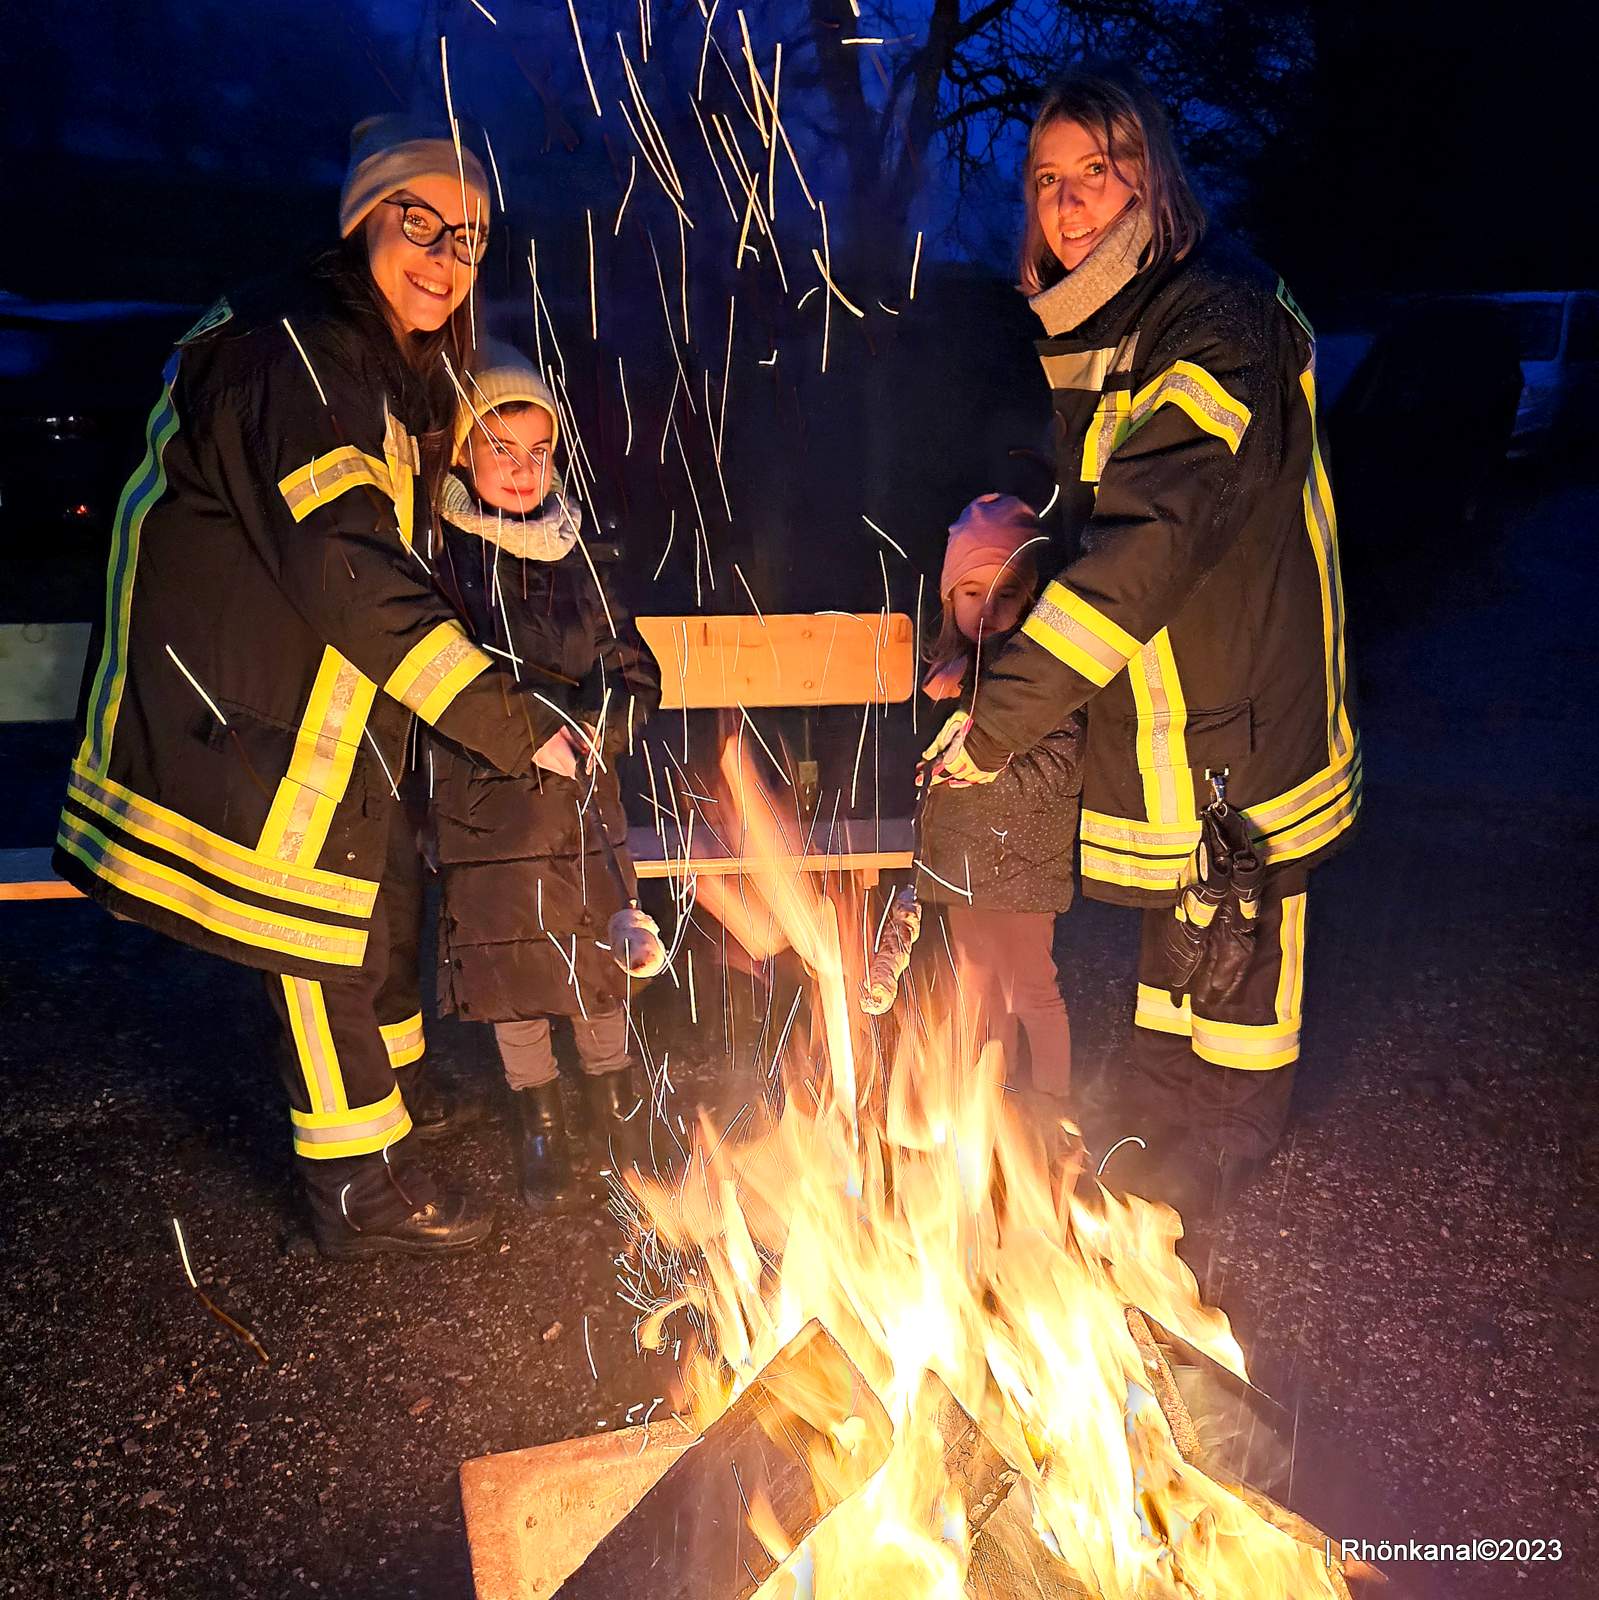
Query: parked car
(1557,337)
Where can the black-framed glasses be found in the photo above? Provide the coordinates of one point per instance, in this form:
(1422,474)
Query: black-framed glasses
(424,227)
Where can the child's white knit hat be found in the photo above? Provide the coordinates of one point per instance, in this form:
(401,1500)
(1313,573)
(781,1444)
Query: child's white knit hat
(502,377)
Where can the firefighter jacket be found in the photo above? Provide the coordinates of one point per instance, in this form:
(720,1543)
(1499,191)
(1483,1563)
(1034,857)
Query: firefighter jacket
(527,893)
(1202,620)
(271,629)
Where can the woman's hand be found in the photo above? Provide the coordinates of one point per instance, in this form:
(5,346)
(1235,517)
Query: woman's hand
(945,759)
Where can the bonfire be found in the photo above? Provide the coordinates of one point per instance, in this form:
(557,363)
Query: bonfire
(890,1189)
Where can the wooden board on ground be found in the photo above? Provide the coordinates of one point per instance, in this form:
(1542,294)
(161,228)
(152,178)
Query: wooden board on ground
(27,875)
(533,1515)
(691,1536)
(833,658)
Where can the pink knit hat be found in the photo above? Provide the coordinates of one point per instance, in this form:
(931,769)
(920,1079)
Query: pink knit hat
(987,534)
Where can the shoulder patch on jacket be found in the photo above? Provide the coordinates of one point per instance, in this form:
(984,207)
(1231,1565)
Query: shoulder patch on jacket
(214,318)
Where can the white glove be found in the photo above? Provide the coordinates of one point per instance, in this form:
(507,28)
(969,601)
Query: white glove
(947,755)
(636,945)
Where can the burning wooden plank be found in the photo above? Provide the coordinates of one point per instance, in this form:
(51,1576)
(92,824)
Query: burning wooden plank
(979,1473)
(801,1439)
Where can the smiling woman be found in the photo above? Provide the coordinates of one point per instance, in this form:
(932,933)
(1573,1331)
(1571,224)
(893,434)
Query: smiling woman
(270,632)
(423,264)
(1200,622)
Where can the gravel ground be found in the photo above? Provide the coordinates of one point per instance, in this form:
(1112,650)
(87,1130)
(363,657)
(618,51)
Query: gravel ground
(1415,1275)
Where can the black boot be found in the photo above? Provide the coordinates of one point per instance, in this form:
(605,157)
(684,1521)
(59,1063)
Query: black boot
(618,1122)
(445,1225)
(545,1176)
(432,1111)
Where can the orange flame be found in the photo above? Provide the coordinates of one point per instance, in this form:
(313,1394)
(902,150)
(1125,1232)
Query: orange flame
(909,1207)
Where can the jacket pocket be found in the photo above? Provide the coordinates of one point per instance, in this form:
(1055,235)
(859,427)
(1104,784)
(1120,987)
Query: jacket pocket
(1199,740)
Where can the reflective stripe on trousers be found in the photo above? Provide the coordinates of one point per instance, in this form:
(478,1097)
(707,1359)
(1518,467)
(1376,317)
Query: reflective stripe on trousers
(1257,1029)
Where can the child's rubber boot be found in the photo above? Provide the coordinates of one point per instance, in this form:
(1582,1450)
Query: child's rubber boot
(618,1123)
(546,1180)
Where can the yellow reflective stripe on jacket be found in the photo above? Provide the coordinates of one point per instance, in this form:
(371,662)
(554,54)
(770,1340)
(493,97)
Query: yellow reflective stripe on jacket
(1316,831)
(1192,390)
(139,494)
(435,671)
(405,1041)
(314,1047)
(161,885)
(325,747)
(1072,631)
(357,1131)
(329,476)
(404,462)
(1155,1010)
(1132,833)
(1184,385)
(1312,813)
(1131,872)
(1110,425)
(1321,525)
(155,825)
(1162,733)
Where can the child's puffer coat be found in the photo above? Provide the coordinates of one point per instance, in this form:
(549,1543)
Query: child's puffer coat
(526,889)
(1012,841)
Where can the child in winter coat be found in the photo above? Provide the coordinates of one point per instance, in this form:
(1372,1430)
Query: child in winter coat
(1010,844)
(529,898)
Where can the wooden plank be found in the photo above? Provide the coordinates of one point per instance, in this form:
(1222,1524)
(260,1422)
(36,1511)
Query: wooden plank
(533,1515)
(860,845)
(980,1474)
(27,875)
(784,659)
(1009,1561)
(690,1537)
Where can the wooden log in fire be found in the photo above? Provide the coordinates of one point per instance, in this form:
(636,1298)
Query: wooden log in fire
(978,1472)
(802,1438)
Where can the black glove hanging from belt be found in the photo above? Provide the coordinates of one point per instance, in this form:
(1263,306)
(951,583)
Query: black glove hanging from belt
(1211,937)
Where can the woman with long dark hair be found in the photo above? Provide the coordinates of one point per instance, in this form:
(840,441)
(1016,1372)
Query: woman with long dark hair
(271,629)
(1199,619)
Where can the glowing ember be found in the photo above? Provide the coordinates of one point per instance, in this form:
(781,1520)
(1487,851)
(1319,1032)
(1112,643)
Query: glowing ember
(906,1205)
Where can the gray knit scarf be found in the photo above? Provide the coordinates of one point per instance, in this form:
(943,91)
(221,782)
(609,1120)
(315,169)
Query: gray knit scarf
(1109,267)
(547,535)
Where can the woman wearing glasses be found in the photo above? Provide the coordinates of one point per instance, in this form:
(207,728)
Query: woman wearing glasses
(271,629)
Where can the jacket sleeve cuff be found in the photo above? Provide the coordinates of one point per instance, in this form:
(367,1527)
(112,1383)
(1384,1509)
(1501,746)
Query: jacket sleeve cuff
(985,751)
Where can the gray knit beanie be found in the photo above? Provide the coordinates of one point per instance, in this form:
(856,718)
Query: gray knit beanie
(387,152)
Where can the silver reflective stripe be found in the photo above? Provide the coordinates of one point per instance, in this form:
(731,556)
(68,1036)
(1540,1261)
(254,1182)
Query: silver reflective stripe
(1081,369)
(1068,627)
(312,1047)
(388,1118)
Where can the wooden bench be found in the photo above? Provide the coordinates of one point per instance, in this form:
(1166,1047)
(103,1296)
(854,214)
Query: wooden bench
(795,660)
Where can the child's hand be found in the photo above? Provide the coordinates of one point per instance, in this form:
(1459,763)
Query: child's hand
(947,755)
(565,749)
(636,945)
(559,754)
